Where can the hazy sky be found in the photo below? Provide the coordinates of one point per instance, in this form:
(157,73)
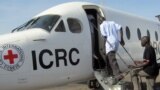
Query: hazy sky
(15,12)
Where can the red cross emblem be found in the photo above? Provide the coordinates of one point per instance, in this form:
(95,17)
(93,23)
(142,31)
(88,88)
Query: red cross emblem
(11,57)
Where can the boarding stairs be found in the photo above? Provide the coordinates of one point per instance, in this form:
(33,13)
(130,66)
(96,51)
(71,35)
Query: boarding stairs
(107,82)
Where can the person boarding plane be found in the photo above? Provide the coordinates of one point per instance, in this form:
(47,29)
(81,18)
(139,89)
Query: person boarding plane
(58,46)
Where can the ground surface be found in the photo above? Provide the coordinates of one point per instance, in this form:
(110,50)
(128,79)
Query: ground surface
(85,87)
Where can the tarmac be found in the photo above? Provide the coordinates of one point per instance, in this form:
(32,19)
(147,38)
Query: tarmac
(84,86)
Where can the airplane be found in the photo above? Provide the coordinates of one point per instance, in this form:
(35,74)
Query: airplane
(57,46)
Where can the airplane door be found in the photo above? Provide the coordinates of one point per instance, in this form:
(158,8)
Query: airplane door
(94,14)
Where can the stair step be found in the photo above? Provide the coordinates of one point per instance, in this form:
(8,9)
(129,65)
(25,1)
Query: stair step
(105,81)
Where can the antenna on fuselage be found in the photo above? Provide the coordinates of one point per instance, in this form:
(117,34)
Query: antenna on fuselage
(158,16)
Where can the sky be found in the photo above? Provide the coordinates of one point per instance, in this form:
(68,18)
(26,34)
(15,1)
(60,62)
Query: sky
(14,13)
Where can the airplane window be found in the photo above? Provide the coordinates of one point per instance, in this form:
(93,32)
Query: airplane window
(148,34)
(139,34)
(156,35)
(74,25)
(60,27)
(24,26)
(128,33)
(45,22)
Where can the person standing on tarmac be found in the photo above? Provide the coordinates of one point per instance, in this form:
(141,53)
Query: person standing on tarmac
(113,34)
(147,67)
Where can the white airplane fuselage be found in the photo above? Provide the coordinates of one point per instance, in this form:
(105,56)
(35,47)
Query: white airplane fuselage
(36,57)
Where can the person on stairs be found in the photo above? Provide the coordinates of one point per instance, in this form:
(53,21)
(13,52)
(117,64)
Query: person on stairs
(113,34)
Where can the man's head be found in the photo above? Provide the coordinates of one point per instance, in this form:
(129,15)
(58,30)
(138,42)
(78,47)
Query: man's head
(102,19)
(145,40)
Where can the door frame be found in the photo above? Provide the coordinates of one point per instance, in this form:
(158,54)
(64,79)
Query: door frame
(98,43)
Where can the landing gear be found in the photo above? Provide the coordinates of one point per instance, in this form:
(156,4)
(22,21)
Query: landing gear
(94,85)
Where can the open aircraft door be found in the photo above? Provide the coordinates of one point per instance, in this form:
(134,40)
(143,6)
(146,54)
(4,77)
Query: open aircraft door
(94,14)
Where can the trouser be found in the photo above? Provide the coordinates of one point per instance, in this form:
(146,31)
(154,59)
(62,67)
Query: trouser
(111,59)
(150,80)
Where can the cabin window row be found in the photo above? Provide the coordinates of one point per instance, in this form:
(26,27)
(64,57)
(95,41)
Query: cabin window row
(128,34)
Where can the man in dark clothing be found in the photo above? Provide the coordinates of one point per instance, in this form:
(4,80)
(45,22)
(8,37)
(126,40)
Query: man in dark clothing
(147,67)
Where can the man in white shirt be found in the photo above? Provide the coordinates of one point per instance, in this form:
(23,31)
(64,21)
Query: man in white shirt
(113,34)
